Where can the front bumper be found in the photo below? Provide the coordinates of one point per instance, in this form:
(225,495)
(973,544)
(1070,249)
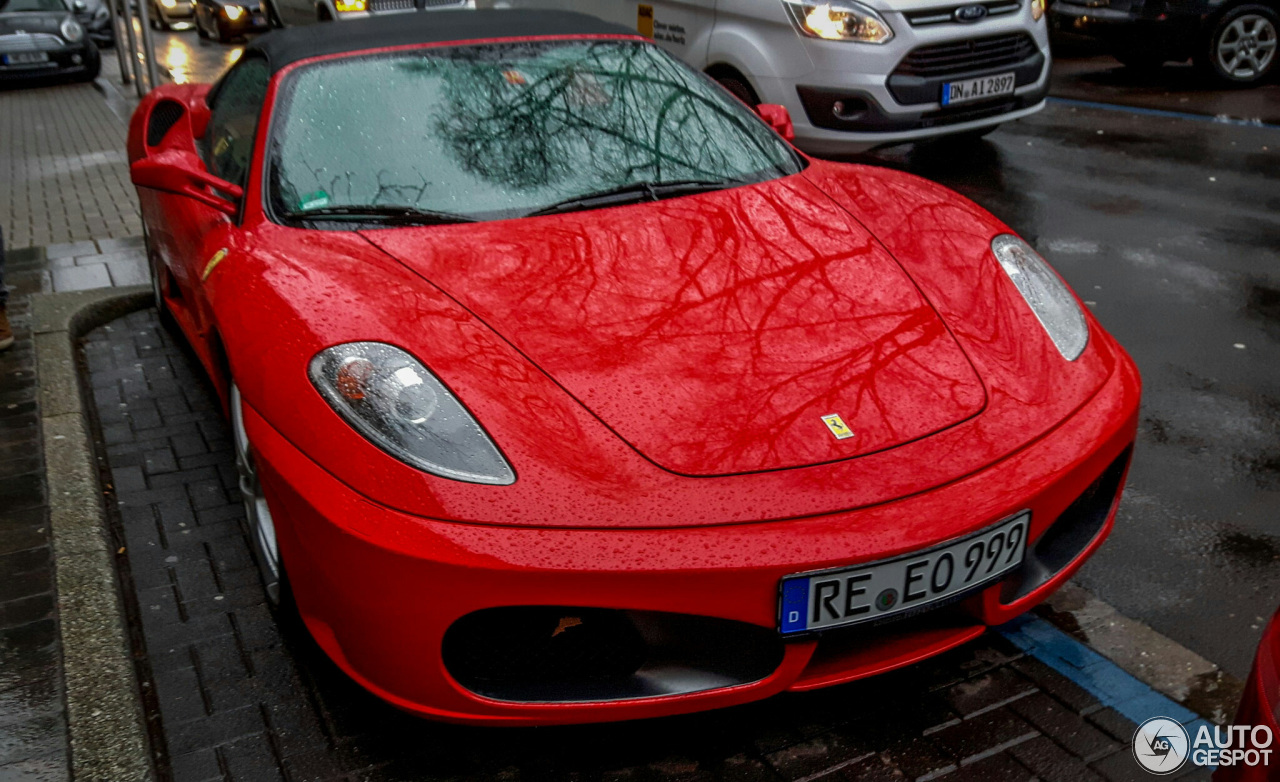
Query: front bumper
(379,589)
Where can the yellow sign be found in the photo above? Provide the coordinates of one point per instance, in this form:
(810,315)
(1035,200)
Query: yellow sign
(644,20)
(837,426)
(214,261)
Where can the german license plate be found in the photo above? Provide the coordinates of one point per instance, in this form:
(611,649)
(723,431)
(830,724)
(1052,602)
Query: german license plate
(26,58)
(850,596)
(954,92)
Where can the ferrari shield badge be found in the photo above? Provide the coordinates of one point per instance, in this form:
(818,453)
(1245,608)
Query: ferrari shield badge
(837,426)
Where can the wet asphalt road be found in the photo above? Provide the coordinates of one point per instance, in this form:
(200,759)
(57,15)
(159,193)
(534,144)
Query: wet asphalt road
(1170,227)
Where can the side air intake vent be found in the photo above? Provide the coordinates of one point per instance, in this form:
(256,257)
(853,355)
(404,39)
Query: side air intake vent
(163,117)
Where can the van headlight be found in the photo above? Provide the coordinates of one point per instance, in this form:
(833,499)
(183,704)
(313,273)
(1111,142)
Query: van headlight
(1045,292)
(389,397)
(71,30)
(842,20)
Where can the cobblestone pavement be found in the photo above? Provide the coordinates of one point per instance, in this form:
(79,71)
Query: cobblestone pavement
(32,717)
(63,171)
(240,698)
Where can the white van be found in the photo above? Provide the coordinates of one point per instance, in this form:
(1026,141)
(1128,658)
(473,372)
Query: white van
(855,74)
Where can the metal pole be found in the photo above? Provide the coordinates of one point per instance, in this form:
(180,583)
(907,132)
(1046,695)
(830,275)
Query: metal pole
(127,14)
(113,12)
(148,47)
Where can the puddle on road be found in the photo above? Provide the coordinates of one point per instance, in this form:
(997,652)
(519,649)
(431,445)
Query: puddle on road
(1247,549)
(1263,302)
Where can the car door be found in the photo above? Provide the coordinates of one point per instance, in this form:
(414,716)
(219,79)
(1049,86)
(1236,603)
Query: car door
(199,235)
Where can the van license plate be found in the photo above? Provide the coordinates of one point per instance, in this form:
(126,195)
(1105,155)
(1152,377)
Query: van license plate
(864,593)
(954,92)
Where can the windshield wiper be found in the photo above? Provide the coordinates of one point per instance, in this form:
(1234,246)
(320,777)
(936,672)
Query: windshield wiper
(633,193)
(389,215)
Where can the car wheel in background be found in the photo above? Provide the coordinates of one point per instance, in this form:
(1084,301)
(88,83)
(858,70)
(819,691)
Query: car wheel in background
(1241,47)
(221,34)
(740,89)
(93,67)
(200,31)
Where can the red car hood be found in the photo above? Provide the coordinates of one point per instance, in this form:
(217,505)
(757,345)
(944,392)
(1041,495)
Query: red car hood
(713,332)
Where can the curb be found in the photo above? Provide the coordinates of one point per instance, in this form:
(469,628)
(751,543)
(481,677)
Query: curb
(1160,662)
(108,742)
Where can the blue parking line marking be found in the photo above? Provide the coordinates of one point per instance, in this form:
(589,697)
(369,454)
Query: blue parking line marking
(1112,685)
(1221,120)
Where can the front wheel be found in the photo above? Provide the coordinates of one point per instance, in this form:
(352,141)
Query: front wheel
(261,525)
(1241,47)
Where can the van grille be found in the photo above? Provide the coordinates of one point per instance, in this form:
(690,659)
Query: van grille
(974,54)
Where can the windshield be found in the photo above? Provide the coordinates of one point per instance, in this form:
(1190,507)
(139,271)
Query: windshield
(10,6)
(505,130)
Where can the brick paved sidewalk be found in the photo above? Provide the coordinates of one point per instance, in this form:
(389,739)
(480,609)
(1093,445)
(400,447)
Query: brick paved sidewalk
(63,171)
(241,699)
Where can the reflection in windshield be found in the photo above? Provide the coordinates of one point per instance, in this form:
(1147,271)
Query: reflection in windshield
(502,130)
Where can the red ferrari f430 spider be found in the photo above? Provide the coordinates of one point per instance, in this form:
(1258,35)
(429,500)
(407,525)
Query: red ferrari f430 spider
(564,389)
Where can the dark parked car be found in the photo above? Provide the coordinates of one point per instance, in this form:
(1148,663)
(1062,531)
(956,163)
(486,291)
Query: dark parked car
(1232,40)
(94,17)
(43,38)
(227,19)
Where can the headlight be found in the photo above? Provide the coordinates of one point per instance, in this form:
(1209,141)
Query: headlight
(1037,9)
(169,3)
(233,12)
(349,6)
(71,30)
(392,399)
(1047,295)
(842,20)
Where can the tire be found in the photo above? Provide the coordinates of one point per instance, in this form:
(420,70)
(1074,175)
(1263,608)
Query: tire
(159,21)
(259,523)
(1240,49)
(93,68)
(222,35)
(200,31)
(740,89)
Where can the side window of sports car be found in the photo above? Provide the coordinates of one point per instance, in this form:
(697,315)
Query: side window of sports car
(233,120)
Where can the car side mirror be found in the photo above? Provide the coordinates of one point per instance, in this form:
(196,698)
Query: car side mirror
(179,178)
(778,118)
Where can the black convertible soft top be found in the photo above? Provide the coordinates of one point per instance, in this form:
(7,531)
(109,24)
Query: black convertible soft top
(282,47)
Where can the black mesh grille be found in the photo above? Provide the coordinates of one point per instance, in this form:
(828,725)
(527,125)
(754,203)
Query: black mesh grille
(520,644)
(163,117)
(974,54)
